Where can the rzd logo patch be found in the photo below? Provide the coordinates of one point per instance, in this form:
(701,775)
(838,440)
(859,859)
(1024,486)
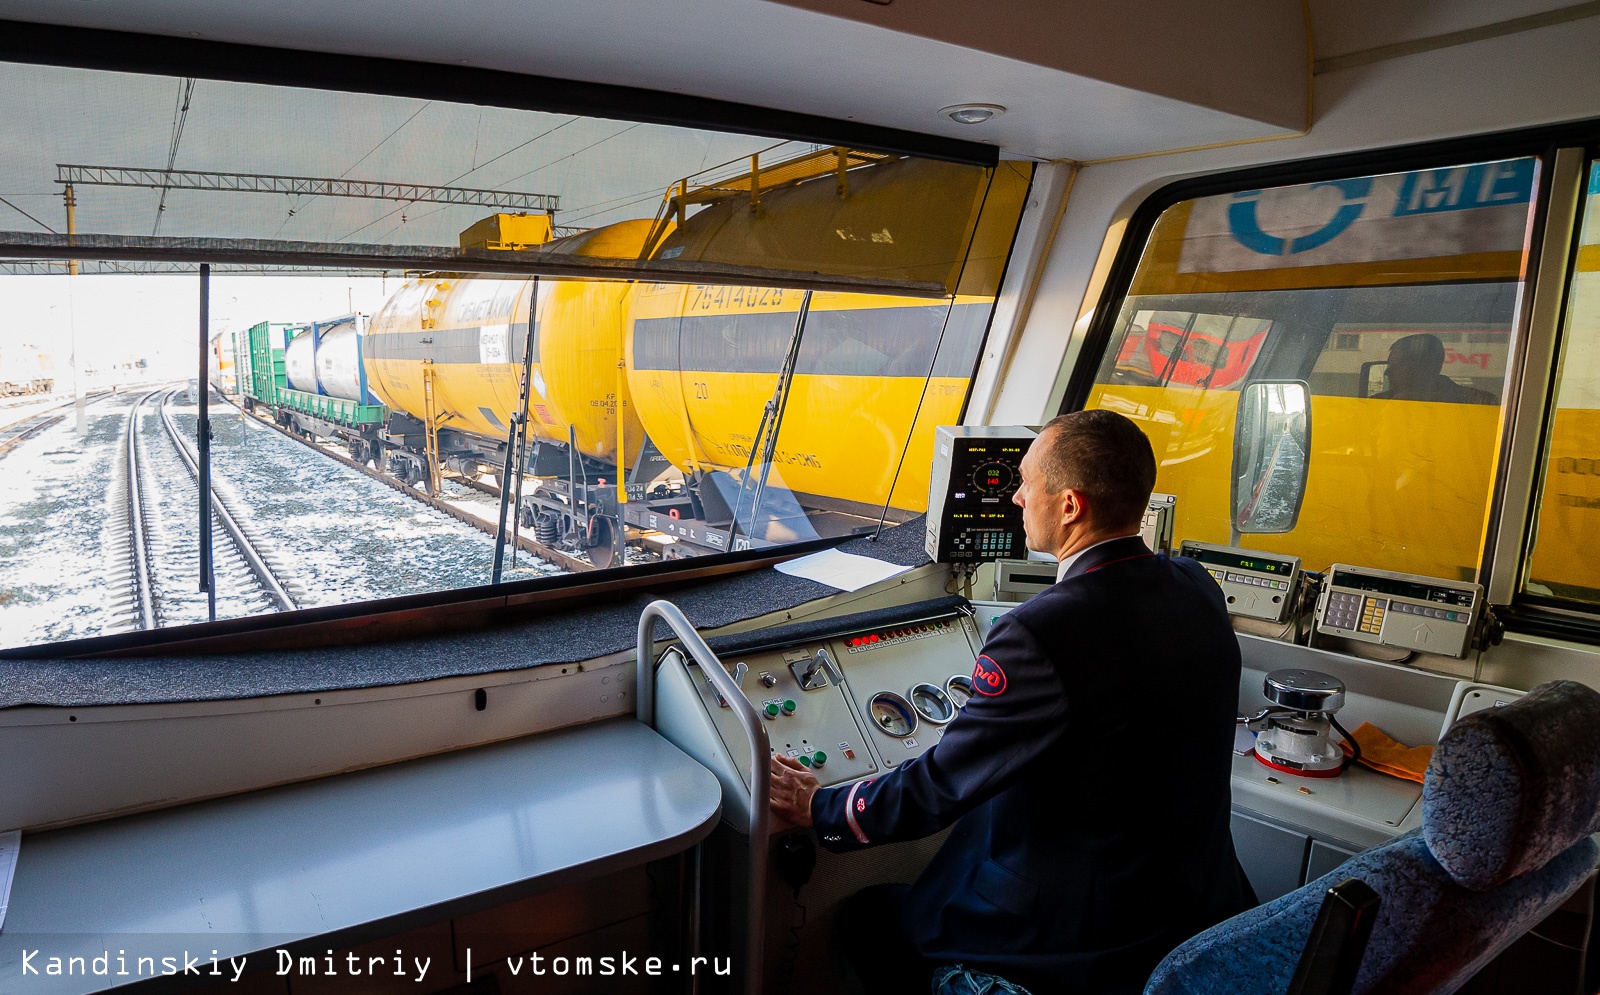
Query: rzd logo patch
(987,677)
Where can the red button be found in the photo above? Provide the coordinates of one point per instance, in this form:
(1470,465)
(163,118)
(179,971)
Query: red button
(873,637)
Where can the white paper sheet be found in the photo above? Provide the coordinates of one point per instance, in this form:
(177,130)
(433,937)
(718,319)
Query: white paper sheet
(846,571)
(10,844)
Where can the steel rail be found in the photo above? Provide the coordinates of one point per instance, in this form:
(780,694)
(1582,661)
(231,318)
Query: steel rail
(144,591)
(252,556)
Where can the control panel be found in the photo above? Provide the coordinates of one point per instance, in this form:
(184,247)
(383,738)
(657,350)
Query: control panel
(1255,584)
(901,680)
(805,706)
(976,470)
(1424,614)
(847,704)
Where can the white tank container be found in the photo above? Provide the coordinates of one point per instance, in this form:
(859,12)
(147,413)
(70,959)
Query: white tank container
(299,364)
(333,368)
(339,363)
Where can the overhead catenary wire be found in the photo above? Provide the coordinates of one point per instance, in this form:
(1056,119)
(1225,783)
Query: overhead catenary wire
(180,115)
(30,217)
(524,176)
(474,169)
(365,156)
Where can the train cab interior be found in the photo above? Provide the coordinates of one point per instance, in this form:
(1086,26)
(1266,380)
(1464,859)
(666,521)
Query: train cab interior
(451,454)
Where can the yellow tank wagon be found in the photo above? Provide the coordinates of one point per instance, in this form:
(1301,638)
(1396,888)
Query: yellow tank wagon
(868,387)
(703,361)
(470,334)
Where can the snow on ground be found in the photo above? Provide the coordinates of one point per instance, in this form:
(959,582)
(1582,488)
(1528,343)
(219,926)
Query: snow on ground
(53,579)
(337,535)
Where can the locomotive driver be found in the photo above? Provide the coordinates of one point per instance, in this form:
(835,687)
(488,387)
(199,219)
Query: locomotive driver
(1087,778)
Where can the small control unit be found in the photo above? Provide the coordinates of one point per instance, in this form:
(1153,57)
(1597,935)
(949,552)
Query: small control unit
(976,470)
(1405,611)
(1256,584)
(1019,580)
(1156,529)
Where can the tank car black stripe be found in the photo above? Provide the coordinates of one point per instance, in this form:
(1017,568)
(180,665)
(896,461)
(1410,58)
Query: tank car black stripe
(860,342)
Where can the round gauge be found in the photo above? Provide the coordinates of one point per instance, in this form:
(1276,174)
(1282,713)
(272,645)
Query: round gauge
(993,478)
(960,688)
(932,703)
(893,714)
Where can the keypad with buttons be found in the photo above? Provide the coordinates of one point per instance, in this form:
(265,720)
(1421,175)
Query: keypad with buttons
(1355,612)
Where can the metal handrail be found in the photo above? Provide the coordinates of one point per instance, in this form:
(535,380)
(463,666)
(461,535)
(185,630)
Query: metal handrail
(756,738)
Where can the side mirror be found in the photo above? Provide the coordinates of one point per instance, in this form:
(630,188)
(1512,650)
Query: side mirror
(1271,456)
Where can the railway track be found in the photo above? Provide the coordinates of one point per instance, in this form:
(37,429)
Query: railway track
(16,433)
(157,513)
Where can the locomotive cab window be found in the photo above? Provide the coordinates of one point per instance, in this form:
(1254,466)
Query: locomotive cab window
(447,346)
(1392,298)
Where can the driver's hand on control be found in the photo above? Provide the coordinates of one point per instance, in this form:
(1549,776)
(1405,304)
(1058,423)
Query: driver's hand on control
(792,788)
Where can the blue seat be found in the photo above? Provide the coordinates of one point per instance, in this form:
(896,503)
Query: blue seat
(1509,803)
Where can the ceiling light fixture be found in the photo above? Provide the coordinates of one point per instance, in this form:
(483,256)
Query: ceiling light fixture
(971,113)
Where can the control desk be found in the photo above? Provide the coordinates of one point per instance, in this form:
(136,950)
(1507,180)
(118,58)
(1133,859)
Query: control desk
(847,697)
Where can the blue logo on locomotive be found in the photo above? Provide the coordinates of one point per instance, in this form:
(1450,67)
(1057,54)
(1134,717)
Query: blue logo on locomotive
(1427,191)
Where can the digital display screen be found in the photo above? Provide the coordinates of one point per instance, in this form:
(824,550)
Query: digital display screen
(1256,563)
(1403,589)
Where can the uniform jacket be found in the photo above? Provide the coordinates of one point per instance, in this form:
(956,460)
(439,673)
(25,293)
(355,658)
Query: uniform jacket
(1088,780)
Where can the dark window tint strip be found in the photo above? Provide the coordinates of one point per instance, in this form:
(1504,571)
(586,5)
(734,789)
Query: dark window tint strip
(864,342)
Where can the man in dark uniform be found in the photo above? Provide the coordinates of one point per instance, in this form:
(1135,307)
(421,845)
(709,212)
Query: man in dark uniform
(1088,776)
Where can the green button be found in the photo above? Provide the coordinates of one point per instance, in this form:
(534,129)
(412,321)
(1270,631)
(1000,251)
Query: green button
(1450,616)
(818,758)
(788,706)
(805,761)
(772,709)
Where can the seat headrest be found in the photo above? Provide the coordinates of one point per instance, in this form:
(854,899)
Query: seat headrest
(1509,788)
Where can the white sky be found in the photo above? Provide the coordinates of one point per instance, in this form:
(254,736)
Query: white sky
(155,317)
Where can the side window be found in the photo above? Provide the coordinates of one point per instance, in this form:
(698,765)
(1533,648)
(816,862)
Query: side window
(1393,297)
(1565,562)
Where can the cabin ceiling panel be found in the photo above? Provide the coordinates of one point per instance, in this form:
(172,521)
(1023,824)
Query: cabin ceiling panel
(1241,57)
(775,55)
(1345,26)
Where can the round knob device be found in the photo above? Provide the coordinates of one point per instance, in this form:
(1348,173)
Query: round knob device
(1304,690)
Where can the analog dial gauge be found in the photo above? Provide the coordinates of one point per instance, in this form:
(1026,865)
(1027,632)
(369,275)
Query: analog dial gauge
(892,714)
(932,703)
(960,689)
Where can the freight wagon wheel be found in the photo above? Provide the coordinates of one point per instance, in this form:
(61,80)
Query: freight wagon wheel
(598,541)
